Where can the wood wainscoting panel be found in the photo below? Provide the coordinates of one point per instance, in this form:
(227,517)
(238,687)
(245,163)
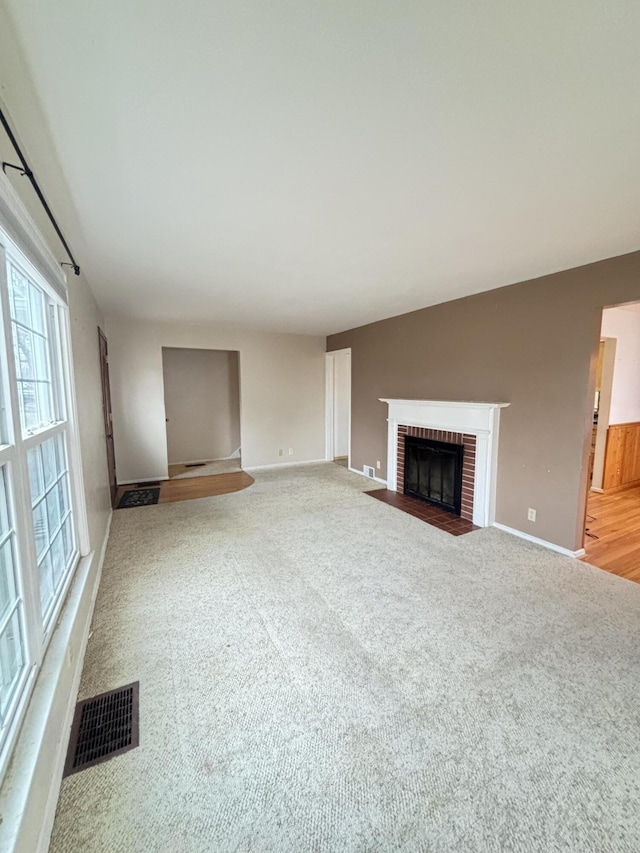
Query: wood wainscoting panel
(622,456)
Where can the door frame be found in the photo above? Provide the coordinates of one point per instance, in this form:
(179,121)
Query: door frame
(330,362)
(604,410)
(103,355)
(237,452)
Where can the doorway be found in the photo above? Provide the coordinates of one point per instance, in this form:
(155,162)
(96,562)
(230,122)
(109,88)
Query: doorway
(612,528)
(338,407)
(103,350)
(202,411)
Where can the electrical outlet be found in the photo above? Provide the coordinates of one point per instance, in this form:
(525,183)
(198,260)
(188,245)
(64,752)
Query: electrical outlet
(378,464)
(280,452)
(291,451)
(531,515)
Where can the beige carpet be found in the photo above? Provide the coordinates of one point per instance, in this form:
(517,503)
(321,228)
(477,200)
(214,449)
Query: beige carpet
(320,672)
(218,466)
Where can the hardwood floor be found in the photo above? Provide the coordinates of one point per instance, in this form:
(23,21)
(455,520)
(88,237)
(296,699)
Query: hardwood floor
(206,469)
(615,519)
(197,487)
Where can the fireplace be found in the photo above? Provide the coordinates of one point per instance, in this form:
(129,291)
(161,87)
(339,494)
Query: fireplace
(433,472)
(463,445)
(473,425)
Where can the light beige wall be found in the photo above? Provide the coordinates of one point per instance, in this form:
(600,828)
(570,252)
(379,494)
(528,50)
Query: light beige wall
(624,326)
(532,345)
(85,317)
(202,403)
(281,392)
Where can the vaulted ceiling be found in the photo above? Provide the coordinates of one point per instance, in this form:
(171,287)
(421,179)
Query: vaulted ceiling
(312,166)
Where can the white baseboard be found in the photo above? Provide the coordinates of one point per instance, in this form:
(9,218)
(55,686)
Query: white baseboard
(282,465)
(234,455)
(362,474)
(543,542)
(143,480)
(596,489)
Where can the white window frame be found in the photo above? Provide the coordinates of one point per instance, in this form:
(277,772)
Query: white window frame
(36,634)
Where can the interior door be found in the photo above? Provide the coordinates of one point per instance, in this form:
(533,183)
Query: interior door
(108,420)
(341,403)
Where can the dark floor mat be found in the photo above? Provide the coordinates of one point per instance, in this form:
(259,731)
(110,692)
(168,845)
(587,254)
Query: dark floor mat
(138,497)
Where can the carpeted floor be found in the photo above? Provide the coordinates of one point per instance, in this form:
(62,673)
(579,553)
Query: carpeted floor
(217,466)
(321,672)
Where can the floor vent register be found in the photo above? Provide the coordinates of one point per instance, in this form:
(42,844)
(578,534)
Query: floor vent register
(103,727)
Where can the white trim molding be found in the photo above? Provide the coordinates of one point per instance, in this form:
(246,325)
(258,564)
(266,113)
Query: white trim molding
(251,468)
(479,419)
(143,480)
(362,474)
(22,228)
(542,542)
(330,407)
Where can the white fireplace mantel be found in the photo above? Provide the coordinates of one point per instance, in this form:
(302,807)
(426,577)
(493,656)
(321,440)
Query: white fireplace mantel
(479,419)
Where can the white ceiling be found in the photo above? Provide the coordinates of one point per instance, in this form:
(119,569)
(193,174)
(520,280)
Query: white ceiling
(312,166)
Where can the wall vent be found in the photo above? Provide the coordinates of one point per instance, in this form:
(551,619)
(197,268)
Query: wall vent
(368,471)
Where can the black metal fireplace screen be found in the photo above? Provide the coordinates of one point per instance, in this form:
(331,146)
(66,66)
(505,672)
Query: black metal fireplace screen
(433,472)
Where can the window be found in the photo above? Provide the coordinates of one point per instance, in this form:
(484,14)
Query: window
(38,533)
(12,658)
(31,345)
(52,517)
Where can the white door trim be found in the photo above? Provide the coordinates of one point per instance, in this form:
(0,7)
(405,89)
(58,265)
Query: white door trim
(329,429)
(608,367)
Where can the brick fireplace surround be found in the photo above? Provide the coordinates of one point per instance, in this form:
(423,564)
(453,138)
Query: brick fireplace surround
(468,442)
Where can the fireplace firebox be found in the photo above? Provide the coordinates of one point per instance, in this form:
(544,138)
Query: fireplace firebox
(433,472)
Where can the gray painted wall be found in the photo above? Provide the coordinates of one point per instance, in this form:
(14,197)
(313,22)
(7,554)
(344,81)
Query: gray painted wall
(533,345)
